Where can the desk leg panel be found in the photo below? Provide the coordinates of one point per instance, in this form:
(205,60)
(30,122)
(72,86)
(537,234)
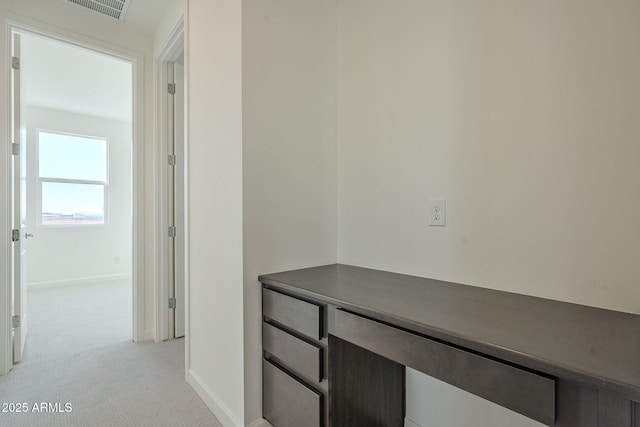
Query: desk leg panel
(582,406)
(365,389)
(577,406)
(614,411)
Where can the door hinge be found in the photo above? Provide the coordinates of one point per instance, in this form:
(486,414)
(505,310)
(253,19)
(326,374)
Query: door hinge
(15,235)
(171,88)
(15,149)
(172,303)
(172,159)
(15,63)
(172,231)
(15,321)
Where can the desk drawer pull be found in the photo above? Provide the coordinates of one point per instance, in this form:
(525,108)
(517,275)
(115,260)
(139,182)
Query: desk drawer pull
(303,358)
(522,391)
(287,402)
(299,315)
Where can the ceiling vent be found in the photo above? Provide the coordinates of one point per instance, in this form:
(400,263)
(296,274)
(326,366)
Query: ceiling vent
(116,9)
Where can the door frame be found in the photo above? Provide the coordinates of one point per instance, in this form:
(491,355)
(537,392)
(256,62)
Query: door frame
(18,301)
(171,50)
(25,25)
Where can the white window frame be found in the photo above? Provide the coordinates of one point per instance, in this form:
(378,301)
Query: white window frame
(42,180)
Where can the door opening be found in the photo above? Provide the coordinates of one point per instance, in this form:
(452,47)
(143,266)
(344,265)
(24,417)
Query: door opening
(175,198)
(75,195)
(172,317)
(19,320)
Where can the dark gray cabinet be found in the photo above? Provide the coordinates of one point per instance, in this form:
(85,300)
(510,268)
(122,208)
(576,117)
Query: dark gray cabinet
(337,339)
(302,357)
(301,316)
(530,394)
(289,402)
(294,343)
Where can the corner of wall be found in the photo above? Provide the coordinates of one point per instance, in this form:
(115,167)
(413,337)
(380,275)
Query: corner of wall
(213,401)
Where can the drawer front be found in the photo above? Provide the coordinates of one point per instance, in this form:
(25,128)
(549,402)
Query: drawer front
(297,355)
(527,393)
(299,315)
(287,402)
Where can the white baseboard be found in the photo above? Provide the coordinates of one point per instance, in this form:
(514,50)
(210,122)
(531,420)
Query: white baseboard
(409,423)
(213,402)
(147,335)
(260,423)
(80,281)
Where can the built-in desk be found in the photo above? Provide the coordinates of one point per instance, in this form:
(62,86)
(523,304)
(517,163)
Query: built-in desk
(337,339)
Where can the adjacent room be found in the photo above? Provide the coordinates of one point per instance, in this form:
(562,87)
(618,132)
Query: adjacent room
(76,113)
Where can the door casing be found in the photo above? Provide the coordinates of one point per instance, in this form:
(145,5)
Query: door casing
(170,53)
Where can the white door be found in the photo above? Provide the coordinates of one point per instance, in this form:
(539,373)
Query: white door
(19,306)
(178,129)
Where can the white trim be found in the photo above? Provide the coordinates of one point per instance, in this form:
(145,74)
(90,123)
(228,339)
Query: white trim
(187,318)
(41,180)
(173,46)
(80,281)
(161,287)
(260,423)
(6,249)
(137,196)
(213,402)
(408,422)
(13,22)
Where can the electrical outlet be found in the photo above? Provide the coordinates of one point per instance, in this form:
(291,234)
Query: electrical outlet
(116,259)
(437,212)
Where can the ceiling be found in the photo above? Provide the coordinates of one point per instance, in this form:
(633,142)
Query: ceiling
(65,77)
(145,15)
(142,16)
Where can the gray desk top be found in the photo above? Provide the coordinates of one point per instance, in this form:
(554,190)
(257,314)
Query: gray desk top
(593,346)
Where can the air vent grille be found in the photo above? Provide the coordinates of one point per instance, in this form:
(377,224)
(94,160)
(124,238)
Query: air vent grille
(114,8)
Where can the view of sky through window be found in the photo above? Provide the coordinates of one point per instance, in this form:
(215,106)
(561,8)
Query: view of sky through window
(73,174)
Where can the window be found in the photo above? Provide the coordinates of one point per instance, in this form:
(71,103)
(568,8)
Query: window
(72,175)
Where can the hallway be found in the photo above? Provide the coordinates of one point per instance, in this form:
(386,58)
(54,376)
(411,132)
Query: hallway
(81,364)
(124,384)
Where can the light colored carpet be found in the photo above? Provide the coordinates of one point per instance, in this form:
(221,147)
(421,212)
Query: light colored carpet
(79,352)
(125,384)
(67,320)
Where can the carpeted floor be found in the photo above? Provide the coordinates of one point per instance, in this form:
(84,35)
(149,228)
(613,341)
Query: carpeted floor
(73,376)
(67,320)
(121,385)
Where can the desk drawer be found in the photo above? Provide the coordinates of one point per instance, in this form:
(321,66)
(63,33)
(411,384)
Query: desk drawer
(287,402)
(301,316)
(522,391)
(301,357)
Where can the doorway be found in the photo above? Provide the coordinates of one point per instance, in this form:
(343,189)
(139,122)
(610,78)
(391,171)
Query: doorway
(171,317)
(175,198)
(76,128)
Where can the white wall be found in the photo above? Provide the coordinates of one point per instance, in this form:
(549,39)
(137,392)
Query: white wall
(289,153)
(59,255)
(287,164)
(215,206)
(523,115)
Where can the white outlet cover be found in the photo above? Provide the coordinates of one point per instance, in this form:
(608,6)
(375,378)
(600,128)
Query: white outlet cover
(438,212)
